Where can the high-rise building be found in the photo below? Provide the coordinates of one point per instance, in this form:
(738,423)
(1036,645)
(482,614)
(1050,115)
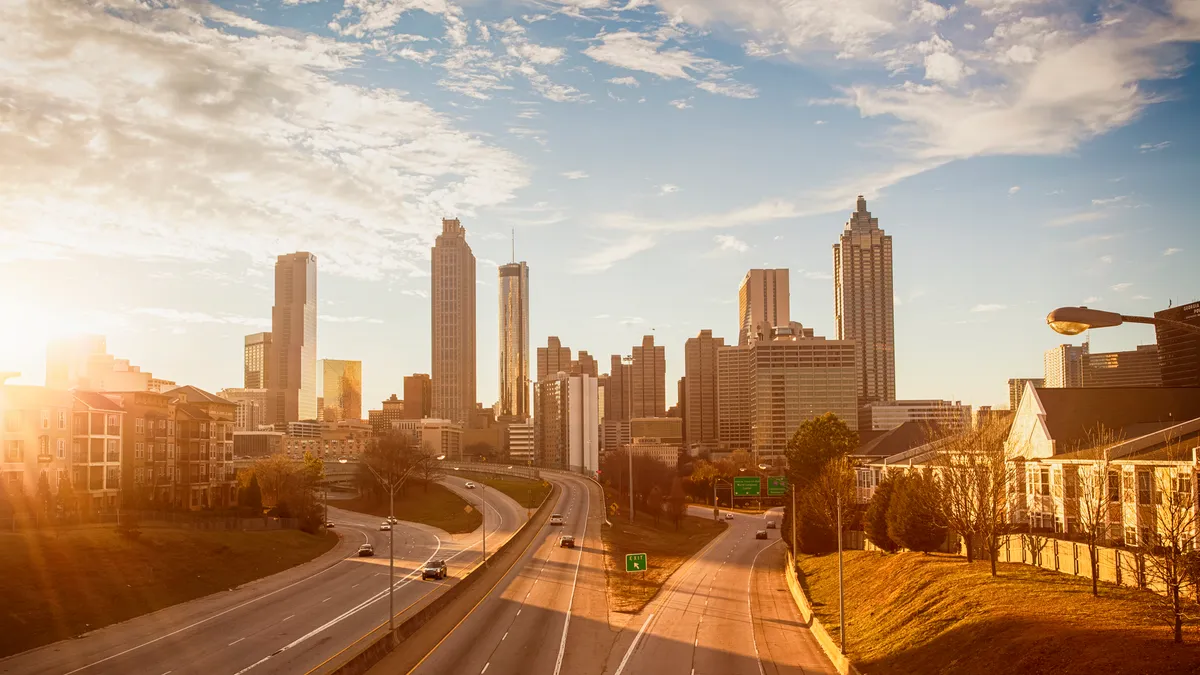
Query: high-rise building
(514,340)
(1016,386)
(733,398)
(83,362)
(567,423)
(251,407)
(863,302)
(292,371)
(1064,366)
(453,343)
(1136,368)
(698,393)
(618,391)
(256,361)
(649,380)
(793,379)
(341,387)
(418,397)
(393,410)
(885,415)
(553,359)
(1179,348)
(763,303)
(519,440)
(585,365)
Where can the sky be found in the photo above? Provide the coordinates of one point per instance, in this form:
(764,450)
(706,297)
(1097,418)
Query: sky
(156,156)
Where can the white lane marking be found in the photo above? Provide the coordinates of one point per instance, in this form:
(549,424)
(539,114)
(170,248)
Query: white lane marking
(236,641)
(634,645)
(354,586)
(519,611)
(562,645)
(327,599)
(288,617)
(750,609)
(505,636)
(485,667)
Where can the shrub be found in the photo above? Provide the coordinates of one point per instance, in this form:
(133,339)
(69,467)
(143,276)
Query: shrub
(875,522)
(914,519)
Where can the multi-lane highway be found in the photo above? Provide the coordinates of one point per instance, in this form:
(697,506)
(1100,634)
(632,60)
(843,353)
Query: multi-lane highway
(286,623)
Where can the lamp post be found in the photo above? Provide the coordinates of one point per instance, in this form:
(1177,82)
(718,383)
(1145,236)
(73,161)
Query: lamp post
(841,576)
(1075,320)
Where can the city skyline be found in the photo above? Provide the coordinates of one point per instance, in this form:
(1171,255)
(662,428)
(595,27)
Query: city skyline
(1007,192)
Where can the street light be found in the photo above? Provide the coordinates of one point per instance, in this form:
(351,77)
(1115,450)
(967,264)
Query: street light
(1075,320)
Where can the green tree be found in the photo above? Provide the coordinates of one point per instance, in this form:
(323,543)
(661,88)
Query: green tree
(815,444)
(677,502)
(914,518)
(252,496)
(66,498)
(654,503)
(704,474)
(876,519)
(45,498)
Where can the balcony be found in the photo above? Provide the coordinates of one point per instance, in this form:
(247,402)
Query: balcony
(114,430)
(112,456)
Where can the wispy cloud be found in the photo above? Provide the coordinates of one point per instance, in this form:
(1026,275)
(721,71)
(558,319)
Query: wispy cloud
(730,243)
(415,292)
(575,175)
(1154,147)
(1109,200)
(177,316)
(602,316)
(627,81)
(1092,298)
(1141,297)
(632,321)
(613,253)
(819,122)
(682,103)
(1123,286)
(1172,251)
(988,307)
(821,276)
(1014,189)
(650,53)
(667,188)
(1077,218)
(348,319)
(1106,259)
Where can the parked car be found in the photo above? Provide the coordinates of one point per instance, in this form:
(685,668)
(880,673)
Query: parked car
(728,516)
(566,541)
(761,534)
(385,526)
(366,551)
(770,524)
(469,485)
(556,519)
(434,569)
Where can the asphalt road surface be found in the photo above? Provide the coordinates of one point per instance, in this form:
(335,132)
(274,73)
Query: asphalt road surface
(287,623)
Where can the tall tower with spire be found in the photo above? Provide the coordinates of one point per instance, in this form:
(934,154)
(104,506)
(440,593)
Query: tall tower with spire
(453,305)
(863,302)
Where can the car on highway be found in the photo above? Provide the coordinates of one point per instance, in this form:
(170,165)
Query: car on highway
(566,541)
(434,569)
(366,551)
(469,485)
(556,519)
(385,526)
(761,534)
(770,524)
(392,520)
(328,524)
(728,516)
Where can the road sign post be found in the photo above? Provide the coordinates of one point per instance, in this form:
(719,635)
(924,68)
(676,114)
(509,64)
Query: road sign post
(777,486)
(747,486)
(636,562)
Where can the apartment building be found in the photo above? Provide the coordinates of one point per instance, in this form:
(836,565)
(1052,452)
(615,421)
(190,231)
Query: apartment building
(35,435)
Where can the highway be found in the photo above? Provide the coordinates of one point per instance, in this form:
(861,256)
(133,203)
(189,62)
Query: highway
(290,622)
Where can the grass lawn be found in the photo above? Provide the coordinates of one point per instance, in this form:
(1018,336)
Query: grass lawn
(436,506)
(526,492)
(666,548)
(56,585)
(909,613)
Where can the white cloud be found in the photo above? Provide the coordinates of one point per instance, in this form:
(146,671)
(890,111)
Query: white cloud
(1108,200)
(1154,147)
(1141,297)
(415,292)
(1172,251)
(990,307)
(648,53)
(728,88)
(613,253)
(575,175)
(1106,259)
(682,103)
(667,188)
(819,122)
(1014,189)
(632,321)
(195,133)
(1123,286)
(1077,218)
(177,316)
(1092,298)
(944,67)
(628,81)
(601,316)
(726,242)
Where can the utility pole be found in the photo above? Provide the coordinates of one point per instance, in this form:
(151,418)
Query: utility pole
(793,519)
(629,454)
(841,576)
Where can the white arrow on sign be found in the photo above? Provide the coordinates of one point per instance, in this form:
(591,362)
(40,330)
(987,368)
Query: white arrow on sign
(636,566)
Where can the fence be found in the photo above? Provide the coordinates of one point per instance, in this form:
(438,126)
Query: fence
(182,520)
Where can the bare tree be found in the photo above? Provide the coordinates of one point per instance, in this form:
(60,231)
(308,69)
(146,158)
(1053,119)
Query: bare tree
(822,495)
(1172,540)
(1097,491)
(974,478)
(429,468)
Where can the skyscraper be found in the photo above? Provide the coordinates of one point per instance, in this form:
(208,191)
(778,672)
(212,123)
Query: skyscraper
(553,359)
(585,365)
(453,324)
(1016,387)
(1135,368)
(341,387)
(418,397)
(292,371)
(698,390)
(733,397)
(863,302)
(649,380)
(1064,366)
(257,358)
(1179,348)
(514,340)
(618,391)
(567,423)
(763,302)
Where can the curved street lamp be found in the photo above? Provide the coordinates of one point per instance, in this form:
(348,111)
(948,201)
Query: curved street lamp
(1075,320)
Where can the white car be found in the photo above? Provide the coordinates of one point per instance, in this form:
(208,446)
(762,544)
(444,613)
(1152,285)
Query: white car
(728,516)
(385,526)
(392,520)
(469,485)
(556,519)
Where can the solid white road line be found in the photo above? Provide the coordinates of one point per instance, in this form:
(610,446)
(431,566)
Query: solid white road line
(750,608)
(633,645)
(562,645)
(236,641)
(485,667)
(288,617)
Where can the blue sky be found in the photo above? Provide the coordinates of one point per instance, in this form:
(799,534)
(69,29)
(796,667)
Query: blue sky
(1023,154)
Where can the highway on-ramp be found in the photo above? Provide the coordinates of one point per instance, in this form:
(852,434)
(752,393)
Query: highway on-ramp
(290,622)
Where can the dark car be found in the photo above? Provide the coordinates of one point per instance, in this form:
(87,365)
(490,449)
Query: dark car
(761,534)
(434,569)
(566,541)
(366,551)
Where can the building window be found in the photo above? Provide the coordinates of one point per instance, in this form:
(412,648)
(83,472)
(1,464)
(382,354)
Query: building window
(1044,483)
(1114,487)
(170,452)
(14,451)
(139,425)
(162,424)
(139,451)
(139,476)
(170,427)
(60,447)
(12,420)
(1143,488)
(45,419)
(1183,489)
(203,428)
(62,419)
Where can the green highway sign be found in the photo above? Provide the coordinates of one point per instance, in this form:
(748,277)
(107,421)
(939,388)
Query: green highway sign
(746,486)
(776,486)
(635,562)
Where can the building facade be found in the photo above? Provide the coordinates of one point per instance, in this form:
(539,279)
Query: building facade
(1016,386)
(698,391)
(205,444)
(1064,366)
(733,398)
(36,439)
(83,362)
(418,397)
(585,365)
(256,360)
(341,387)
(1134,368)
(1179,348)
(567,424)
(514,340)
(553,359)
(649,380)
(453,324)
(618,390)
(292,371)
(392,410)
(764,302)
(519,440)
(863,302)
(615,434)
(251,407)
(148,457)
(952,416)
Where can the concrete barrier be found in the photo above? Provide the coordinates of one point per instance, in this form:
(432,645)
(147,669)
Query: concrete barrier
(424,625)
(828,644)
